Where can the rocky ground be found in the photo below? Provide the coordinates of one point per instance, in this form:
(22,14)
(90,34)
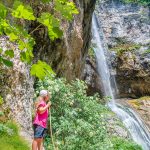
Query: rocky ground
(141,106)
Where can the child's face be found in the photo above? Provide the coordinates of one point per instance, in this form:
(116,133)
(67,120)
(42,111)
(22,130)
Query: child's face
(47,98)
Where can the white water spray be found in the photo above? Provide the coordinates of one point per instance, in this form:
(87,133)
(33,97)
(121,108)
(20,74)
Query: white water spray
(136,127)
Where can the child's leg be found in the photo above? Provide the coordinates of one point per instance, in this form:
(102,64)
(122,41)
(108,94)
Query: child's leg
(34,144)
(40,144)
(42,148)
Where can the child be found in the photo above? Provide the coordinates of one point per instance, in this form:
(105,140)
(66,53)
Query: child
(40,120)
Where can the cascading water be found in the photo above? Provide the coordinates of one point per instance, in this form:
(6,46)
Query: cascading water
(136,127)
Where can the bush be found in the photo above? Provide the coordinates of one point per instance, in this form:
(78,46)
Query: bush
(122,144)
(78,121)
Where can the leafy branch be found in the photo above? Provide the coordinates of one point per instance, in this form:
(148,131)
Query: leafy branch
(18,34)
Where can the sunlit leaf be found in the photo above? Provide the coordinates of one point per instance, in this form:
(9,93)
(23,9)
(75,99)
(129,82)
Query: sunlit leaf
(9,53)
(67,9)
(13,36)
(41,70)
(22,11)
(23,56)
(52,24)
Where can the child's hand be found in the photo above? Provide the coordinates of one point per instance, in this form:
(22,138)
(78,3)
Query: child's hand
(49,104)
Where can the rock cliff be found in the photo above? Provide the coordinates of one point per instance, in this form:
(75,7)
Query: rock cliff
(66,56)
(126,32)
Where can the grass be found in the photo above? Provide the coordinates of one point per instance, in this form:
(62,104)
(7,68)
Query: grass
(12,141)
(122,144)
(138,102)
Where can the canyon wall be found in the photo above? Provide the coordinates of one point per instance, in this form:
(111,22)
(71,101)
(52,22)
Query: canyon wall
(126,35)
(66,56)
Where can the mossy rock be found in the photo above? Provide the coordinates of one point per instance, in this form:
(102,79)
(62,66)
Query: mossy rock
(126,47)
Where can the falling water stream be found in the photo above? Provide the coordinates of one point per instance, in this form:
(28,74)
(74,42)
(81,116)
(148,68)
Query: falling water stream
(131,120)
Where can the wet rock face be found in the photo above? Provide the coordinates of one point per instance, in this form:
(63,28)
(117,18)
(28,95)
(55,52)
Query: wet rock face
(116,128)
(129,22)
(125,24)
(133,75)
(141,106)
(91,77)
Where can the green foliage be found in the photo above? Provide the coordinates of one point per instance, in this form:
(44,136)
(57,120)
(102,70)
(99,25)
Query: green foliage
(3,11)
(22,11)
(17,33)
(121,48)
(91,52)
(66,8)
(46,1)
(9,53)
(1,100)
(52,24)
(143,2)
(121,144)
(10,139)
(6,62)
(41,69)
(79,121)
(5,130)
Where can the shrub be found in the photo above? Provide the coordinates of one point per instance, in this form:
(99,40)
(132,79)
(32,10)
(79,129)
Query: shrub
(78,121)
(122,144)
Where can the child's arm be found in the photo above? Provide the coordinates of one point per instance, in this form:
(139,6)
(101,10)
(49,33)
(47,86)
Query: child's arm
(41,109)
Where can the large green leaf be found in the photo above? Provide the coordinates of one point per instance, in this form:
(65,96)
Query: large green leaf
(23,56)
(52,24)
(12,36)
(7,62)
(22,11)
(41,70)
(66,9)
(26,56)
(9,53)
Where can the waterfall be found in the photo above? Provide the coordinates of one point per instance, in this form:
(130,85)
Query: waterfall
(131,120)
